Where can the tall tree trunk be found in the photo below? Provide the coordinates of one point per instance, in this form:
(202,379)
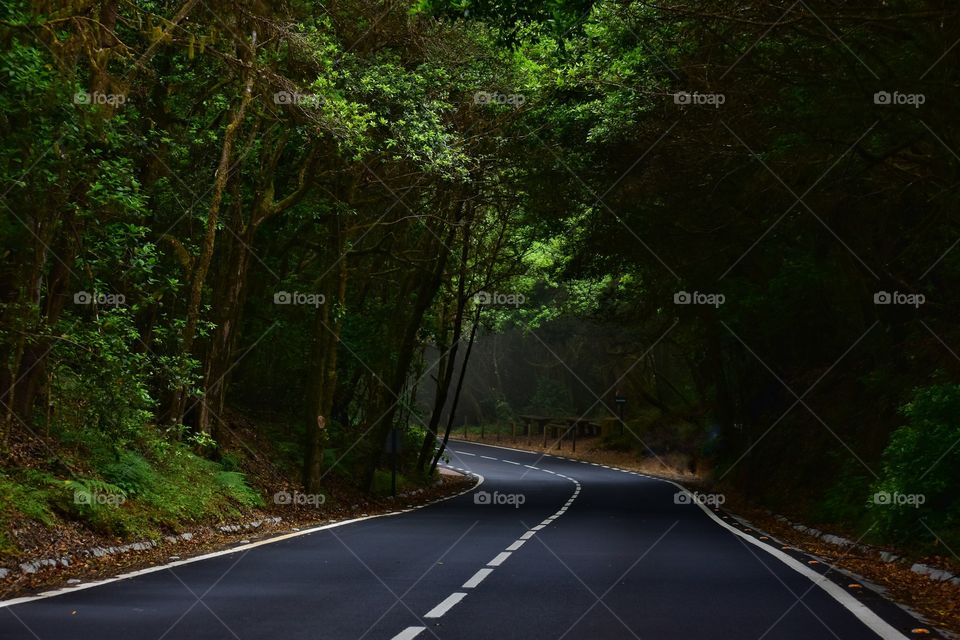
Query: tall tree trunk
(28,367)
(327,330)
(456,393)
(231,287)
(427,290)
(445,376)
(232,281)
(209,240)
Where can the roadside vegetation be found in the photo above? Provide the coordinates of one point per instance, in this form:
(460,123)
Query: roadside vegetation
(244,244)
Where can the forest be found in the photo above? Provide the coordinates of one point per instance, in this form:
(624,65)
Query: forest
(245,244)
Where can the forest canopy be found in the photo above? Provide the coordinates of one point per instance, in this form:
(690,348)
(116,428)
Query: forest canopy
(333,220)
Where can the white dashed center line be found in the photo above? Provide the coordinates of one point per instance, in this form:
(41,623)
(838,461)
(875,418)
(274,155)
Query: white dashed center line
(449,602)
(477,578)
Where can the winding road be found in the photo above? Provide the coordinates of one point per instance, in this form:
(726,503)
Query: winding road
(543,547)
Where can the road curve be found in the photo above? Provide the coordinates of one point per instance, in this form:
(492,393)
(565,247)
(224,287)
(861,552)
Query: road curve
(544,547)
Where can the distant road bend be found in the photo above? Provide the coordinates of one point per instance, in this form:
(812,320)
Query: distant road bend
(544,547)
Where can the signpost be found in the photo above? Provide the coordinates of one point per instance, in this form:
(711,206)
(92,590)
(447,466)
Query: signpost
(620,400)
(392,446)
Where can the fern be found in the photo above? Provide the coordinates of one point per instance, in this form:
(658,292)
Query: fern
(27,496)
(94,494)
(132,473)
(235,485)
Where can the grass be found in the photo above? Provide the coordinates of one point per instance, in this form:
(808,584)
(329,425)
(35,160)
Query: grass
(129,494)
(153,484)
(382,483)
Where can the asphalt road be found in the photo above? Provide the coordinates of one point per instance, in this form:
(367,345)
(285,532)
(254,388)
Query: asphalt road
(543,548)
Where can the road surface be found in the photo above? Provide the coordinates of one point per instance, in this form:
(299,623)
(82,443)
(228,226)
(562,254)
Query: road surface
(544,547)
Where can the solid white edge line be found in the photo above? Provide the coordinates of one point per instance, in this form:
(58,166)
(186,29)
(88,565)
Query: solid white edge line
(409,633)
(477,578)
(863,613)
(448,603)
(217,554)
(496,562)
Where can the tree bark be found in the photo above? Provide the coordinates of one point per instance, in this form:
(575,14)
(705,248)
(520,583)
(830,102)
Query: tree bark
(456,394)
(327,330)
(426,291)
(206,254)
(445,377)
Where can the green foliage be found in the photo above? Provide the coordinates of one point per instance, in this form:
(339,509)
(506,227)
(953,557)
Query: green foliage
(193,489)
(134,497)
(558,17)
(382,483)
(395,184)
(97,503)
(550,397)
(133,474)
(502,409)
(844,502)
(922,459)
(231,461)
(86,494)
(28,496)
(100,379)
(235,485)
(614,441)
